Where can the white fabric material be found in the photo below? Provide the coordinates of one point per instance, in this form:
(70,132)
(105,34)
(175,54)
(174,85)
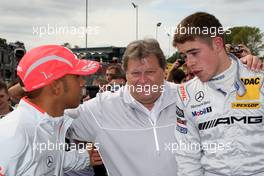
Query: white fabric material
(31,143)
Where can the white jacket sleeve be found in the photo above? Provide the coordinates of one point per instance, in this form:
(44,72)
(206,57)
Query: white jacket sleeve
(14,154)
(76,160)
(84,125)
(188,147)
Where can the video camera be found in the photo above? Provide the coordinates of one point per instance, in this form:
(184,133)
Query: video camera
(10,55)
(236,50)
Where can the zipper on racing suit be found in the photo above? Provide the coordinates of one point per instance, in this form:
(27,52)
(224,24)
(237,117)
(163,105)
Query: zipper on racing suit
(155,135)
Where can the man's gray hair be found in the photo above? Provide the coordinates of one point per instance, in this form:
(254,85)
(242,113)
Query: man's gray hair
(140,49)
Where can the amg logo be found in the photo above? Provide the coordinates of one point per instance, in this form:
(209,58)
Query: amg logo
(229,121)
(250,81)
(202,112)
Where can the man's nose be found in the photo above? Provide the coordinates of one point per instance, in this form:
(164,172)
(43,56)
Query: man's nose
(190,61)
(143,78)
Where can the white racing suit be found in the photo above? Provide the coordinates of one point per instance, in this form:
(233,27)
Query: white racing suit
(32,144)
(220,125)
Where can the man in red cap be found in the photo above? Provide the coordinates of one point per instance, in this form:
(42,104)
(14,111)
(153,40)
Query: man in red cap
(32,136)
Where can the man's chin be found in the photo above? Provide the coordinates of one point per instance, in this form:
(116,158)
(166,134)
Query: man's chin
(73,106)
(203,78)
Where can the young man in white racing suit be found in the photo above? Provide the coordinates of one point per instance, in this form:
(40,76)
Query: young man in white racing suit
(220,124)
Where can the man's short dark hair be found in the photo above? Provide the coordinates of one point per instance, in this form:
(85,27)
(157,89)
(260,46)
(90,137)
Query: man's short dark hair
(32,94)
(119,76)
(200,25)
(3,86)
(118,69)
(140,49)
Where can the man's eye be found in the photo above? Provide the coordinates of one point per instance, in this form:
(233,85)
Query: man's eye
(194,53)
(135,73)
(150,72)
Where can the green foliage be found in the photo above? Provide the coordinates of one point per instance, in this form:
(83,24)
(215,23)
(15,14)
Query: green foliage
(173,58)
(252,37)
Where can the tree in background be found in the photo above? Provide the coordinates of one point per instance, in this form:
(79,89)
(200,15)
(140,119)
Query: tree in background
(173,58)
(252,37)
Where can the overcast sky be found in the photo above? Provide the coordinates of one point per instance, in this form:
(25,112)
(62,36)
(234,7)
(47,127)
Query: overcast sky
(113,22)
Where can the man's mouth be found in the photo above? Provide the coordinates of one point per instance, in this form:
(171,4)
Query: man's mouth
(196,72)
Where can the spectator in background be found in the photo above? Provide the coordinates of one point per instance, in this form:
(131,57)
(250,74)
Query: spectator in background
(5,106)
(98,85)
(117,82)
(188,74)
(176,75)
(112,70)
(15,93)
(99,82)
(239,50)
(178,63)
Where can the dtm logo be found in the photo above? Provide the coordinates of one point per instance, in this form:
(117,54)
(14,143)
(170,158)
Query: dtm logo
(202,112)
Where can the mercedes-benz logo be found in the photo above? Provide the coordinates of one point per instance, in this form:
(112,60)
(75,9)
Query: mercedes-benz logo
(199,96)
(49,161)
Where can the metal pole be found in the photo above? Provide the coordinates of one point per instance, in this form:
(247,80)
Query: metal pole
(158,25)
(86,22)
(136,7)
(169,43)
(156,32)
(136,22)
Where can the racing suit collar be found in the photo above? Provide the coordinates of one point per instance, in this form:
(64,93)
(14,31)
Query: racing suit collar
(24,102)
(229,80)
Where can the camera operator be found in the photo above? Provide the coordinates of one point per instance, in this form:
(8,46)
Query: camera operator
(118,80)
(178,63)
(238,50)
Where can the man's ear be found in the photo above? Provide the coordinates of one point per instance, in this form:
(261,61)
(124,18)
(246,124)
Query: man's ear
(218,44)
(56,87)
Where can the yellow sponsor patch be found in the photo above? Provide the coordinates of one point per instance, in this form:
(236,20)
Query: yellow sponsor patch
(237,105)
(252,89)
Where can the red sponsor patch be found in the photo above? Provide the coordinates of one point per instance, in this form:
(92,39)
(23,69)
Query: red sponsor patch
(181,121)
(183,92)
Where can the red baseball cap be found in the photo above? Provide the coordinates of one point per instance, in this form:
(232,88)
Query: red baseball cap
(42,65)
